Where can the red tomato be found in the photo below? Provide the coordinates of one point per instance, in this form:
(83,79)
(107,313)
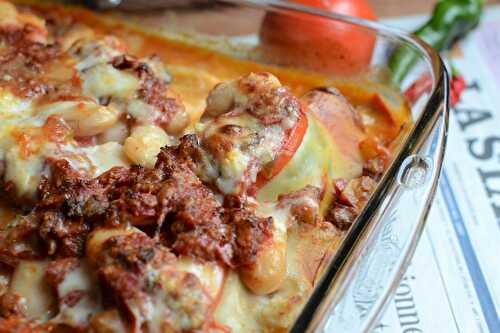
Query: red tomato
(292,143)
(317,43)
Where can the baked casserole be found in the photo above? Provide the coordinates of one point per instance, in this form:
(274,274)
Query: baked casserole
(151,185)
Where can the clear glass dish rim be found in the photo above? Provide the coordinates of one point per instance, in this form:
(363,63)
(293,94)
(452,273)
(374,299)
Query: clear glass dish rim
(435,109)
(431,56)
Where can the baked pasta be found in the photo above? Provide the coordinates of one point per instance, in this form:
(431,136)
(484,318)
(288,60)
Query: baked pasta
(148,185)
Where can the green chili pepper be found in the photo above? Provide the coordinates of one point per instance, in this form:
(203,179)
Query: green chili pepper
(450,20)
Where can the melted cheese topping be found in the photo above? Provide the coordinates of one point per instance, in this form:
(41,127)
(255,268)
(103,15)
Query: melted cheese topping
(103,80)
(246,127)
(80,85)
(103,157)
(234,165)
(12,107)
(23,173)
(99,138)
(308,249)
(144,144)
(211,275)
(315,160)
(28,281)
(81,280)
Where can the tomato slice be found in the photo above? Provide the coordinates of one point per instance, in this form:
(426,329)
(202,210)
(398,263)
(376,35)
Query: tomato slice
(293,140)
(317,161)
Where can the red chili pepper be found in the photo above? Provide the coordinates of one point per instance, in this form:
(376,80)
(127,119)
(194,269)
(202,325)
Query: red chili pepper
(457,88)
(424,85)
(421,86)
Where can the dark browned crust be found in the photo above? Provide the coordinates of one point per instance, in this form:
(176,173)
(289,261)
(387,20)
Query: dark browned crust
(299,203)
(22,61)
(349,199)
(169,201)
(134,269)
(180,214)
(12,305)
(123,263)
(153,90)
(284,104)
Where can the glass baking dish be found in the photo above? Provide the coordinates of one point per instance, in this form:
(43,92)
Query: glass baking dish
(368,265)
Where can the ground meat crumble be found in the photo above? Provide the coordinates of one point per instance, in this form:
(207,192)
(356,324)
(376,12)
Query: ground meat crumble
(169,202)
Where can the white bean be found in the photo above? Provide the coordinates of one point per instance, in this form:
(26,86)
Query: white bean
(144,144)
(268,272)
(28,281)
(220,99)
(85,118)
(177,122)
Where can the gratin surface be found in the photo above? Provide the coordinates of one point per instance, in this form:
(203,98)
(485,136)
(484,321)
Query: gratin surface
(129,164)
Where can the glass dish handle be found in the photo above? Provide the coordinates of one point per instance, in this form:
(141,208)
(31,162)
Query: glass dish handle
(365,287)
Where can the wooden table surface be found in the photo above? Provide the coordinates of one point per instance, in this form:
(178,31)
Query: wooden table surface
(245,21)
(385,8)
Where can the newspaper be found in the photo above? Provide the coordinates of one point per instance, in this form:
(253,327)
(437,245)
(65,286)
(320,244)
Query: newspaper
(453,282)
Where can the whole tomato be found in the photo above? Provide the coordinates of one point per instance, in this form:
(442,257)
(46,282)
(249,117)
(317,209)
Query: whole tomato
(319,43)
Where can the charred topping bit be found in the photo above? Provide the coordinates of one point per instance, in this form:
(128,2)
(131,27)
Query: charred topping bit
(63,235)
(374,168)
(12,305)
(303,204)
(40,234)
(349,199)
(250,233)
(154,90)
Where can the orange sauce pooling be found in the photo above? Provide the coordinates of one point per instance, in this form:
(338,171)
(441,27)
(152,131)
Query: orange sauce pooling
(361,92)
